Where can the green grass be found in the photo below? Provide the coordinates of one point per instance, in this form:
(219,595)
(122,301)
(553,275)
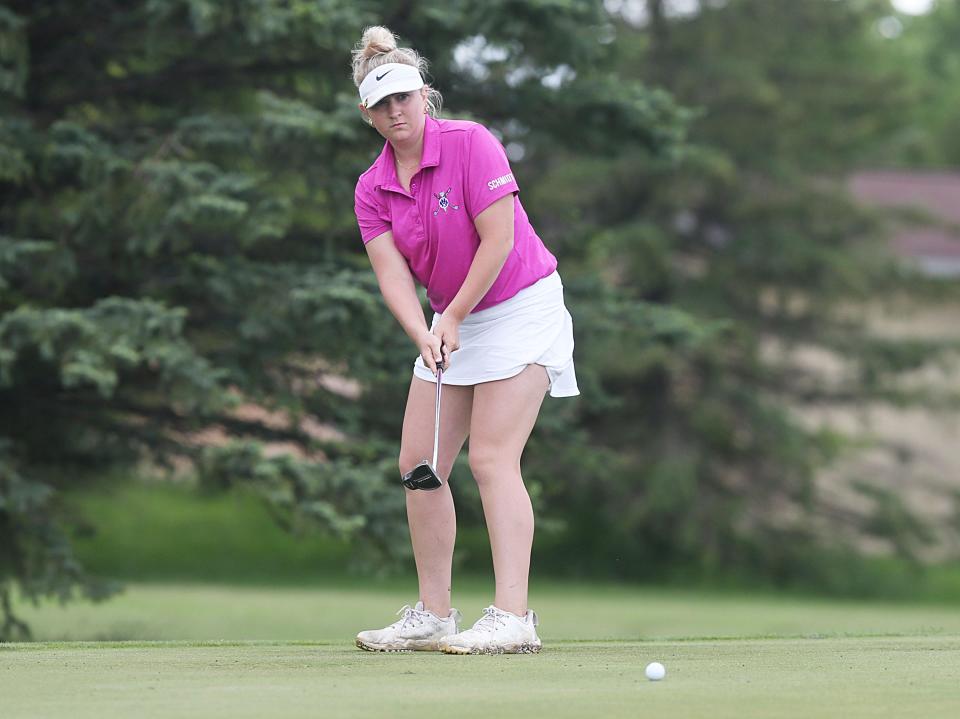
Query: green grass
(726,656)
(196,612)
(226,615)
(164,650)
(741,679)
(161,531)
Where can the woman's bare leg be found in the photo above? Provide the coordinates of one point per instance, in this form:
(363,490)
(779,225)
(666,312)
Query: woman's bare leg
(504,413)
(430,513)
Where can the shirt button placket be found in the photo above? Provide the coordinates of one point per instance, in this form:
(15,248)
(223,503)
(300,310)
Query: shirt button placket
(413,189)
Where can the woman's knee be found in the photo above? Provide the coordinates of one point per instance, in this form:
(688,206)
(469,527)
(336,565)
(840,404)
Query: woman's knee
(487,462)
(409,460)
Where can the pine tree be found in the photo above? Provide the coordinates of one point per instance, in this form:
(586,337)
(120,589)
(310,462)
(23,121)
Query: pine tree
(177,241)
(691,450)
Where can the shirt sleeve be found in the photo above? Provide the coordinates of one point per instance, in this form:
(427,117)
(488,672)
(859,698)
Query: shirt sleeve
(488,174)
(368,218)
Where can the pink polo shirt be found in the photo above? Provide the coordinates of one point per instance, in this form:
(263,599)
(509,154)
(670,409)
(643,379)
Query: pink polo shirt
(463,170)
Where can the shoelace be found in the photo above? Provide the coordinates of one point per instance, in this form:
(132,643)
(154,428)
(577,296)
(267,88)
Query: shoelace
(491,619)
(410,615)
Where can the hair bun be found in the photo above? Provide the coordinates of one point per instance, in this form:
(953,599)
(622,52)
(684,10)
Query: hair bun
(377,40)
(378,46)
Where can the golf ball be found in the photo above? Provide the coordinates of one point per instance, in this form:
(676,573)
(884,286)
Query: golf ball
(655,671)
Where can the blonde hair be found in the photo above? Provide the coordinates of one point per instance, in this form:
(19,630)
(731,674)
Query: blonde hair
(377,47)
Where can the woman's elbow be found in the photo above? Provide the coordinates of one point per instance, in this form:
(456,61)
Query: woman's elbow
(501,241)
(504,244)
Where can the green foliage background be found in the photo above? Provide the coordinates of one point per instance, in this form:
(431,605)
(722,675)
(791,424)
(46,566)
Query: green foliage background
(177,240)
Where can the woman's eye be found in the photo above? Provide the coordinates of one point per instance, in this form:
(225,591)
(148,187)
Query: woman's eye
(402,96)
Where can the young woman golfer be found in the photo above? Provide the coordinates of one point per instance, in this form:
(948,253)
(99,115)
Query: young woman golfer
(440,205)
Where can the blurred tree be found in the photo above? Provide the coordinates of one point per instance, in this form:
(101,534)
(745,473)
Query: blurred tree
(926,50)
(691,457)
(177,240)
(177,243)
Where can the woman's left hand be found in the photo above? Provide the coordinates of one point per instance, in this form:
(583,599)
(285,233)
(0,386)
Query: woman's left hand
(448,330)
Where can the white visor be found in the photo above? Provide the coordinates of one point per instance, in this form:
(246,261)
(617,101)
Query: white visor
(388,79)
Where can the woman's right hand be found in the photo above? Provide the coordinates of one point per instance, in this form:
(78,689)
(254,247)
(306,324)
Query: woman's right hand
(429,346)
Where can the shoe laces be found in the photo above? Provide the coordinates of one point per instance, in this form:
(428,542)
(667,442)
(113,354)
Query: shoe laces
(410,616)
(491,619)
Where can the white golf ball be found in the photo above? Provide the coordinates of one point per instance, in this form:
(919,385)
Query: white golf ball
(655,671)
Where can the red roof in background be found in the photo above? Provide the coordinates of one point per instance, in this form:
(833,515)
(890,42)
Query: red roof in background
(936,192)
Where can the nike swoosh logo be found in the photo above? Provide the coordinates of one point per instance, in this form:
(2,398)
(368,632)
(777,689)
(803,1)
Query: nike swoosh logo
(380,77)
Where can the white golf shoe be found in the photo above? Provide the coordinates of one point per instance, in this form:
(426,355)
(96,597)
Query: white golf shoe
(418,630)
(497,632)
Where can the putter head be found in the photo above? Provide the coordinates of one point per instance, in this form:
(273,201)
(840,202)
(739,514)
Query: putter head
(422,477)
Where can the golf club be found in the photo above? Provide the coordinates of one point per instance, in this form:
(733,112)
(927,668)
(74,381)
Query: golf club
(425,474)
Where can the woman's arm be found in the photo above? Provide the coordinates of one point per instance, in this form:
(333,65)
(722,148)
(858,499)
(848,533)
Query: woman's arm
(495,227)
(400,293)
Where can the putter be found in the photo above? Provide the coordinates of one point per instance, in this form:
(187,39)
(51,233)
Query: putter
(425,475)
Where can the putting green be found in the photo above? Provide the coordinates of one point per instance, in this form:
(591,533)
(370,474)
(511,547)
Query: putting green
(726,656)
(848,677)
(567,611)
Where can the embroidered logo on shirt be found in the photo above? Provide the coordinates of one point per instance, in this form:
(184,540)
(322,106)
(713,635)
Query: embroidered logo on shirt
(502,180)
(444,203)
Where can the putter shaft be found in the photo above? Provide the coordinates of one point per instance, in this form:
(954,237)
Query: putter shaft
(436,419)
